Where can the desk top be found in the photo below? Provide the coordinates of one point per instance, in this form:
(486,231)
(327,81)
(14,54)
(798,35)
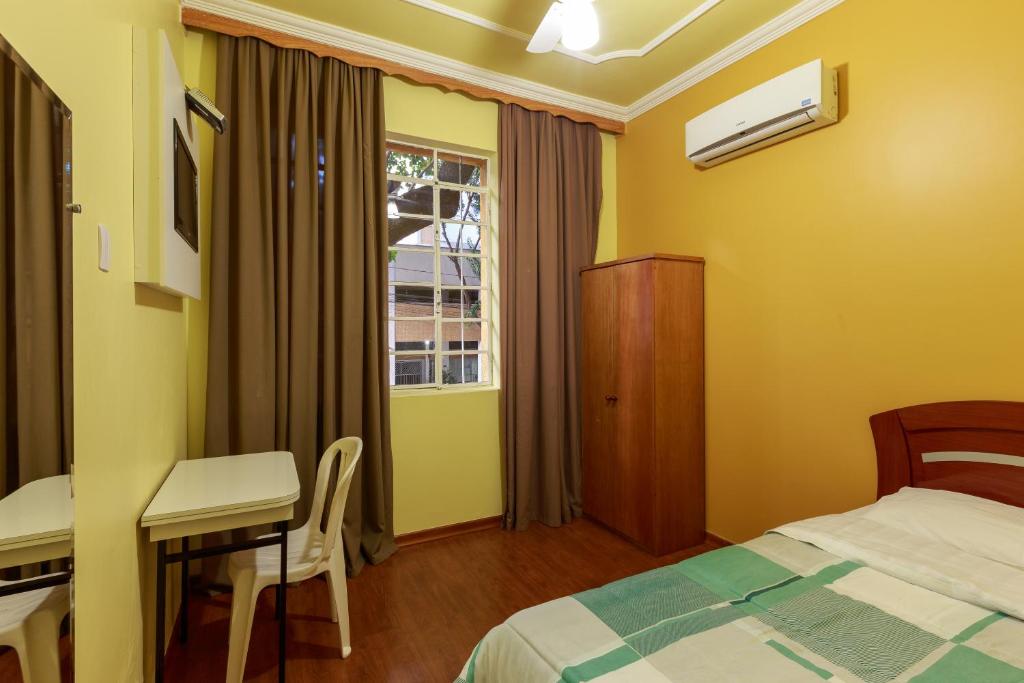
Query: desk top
(213,487)
(39,512)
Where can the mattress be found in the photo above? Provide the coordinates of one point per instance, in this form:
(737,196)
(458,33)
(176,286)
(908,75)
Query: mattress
(838,598)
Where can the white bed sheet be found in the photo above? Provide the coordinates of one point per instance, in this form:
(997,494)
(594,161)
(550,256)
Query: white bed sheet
(916,559)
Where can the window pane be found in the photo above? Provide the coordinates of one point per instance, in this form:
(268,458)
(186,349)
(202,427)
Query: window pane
(465,369)
(411,335)
(453,168)
(410,302)
(459,205)
(407,160)
(415,232)
(481,364)
(438,245)
(411,266)
(460,237)
(451,370)
(460,303)
(460,270)
(461,336)
(406,370)
(410,198)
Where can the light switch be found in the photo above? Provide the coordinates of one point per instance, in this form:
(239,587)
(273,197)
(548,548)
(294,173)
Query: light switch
(104,247)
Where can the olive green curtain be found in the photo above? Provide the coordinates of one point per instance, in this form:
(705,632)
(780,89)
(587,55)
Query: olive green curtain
(550,207)
(35,283)
(298,354)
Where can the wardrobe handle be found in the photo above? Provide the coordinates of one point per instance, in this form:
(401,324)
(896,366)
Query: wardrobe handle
(611,397)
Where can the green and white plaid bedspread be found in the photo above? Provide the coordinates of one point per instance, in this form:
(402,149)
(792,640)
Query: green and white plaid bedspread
(771,610)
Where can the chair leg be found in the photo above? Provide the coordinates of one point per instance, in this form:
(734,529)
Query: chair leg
(16,640)
(339,600)
(334,606)
(243,605)
(40,660)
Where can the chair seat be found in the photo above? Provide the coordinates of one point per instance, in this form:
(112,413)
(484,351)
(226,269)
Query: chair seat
(14,609)
(303,551)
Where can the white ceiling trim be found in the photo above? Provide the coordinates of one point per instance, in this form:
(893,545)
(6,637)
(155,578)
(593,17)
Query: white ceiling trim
(346,39)
(476,20)
(793,18)
(471,18)
(336,36)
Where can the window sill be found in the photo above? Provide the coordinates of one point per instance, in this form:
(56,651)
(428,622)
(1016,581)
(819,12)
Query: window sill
(435,393)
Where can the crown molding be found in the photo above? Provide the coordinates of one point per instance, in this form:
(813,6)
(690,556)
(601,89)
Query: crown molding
(695,14)
(793,18)
(324,33)
(476,20)
(272,19)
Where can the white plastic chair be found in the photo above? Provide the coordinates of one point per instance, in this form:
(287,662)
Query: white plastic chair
(30,623)
(310,552)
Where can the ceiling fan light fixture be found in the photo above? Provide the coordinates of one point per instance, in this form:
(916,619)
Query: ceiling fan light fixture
(579,24)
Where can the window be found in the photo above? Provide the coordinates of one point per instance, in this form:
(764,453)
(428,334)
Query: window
(438,268)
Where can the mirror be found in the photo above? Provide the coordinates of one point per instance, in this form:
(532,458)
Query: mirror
(36,526)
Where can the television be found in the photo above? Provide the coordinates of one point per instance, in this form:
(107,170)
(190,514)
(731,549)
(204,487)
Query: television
(186,192)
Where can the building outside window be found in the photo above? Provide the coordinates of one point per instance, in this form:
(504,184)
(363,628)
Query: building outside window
(439,301)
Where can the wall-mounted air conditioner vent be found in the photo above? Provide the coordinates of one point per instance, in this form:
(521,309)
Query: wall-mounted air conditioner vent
(795,102)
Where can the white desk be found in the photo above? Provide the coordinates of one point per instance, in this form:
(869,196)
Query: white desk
(217,494)
(37,522)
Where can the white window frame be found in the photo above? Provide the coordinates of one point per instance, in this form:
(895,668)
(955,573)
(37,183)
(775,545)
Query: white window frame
(488,244)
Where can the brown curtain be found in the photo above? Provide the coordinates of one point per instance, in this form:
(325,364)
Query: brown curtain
(550,206)
(35,281)
(298,353)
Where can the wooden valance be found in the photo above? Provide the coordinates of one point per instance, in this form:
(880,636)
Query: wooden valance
(194,18)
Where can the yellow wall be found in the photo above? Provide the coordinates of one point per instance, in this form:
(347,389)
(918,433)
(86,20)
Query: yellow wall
(873,264)
(607,228)
(441,480)
(129,350)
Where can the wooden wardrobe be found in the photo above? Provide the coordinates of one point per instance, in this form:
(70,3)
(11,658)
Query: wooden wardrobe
(642,372)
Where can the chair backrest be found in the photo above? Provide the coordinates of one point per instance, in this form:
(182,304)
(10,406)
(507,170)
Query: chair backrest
(350,448)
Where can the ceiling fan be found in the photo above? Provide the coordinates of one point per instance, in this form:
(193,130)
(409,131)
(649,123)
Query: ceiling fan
(574,22)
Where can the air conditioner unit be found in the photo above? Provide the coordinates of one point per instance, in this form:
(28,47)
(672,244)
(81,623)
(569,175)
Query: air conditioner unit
(794,103)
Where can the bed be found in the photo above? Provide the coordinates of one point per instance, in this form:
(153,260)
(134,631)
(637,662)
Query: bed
(925,585)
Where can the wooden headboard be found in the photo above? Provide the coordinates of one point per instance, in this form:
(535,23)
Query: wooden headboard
(973,447)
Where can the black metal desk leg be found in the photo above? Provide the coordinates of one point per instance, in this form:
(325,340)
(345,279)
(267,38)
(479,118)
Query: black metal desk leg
(183,633)
(282,600)
(278,609)
(161,595)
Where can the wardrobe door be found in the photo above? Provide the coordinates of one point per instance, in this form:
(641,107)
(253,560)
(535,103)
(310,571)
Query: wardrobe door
(599,314)
(679,404)
(632,401)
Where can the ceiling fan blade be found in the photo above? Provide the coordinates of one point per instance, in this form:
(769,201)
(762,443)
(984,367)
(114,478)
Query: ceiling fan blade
(549,32)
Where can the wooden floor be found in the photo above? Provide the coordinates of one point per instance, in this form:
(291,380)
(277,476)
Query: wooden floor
(417,616)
